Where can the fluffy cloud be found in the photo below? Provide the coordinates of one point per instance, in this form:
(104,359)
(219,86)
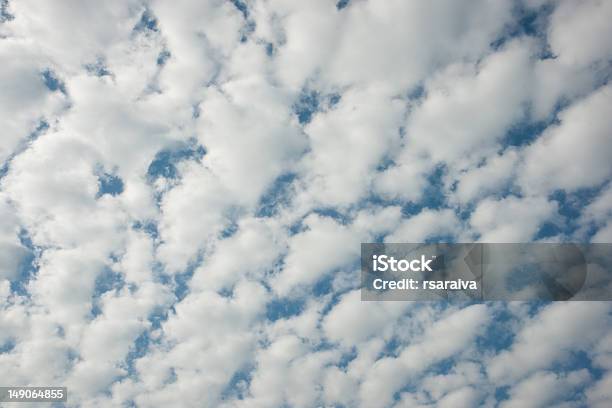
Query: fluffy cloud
(555,332)
(426,224)
(511,219)
(543,388)
(575,154)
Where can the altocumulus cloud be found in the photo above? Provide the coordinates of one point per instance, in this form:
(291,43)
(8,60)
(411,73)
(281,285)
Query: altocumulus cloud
(184,186)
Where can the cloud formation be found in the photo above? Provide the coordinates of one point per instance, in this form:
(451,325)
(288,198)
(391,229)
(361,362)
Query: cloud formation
(184,187)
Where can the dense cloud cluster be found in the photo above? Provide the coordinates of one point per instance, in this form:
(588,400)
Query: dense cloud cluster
(184,186)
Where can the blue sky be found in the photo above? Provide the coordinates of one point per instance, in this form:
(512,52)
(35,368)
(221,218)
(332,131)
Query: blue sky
(184,191)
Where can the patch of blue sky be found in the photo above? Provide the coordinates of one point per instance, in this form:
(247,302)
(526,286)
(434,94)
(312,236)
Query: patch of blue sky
(40,129)
(276,196)
(95,309)
(270,49)
(128,404)
(572,203)
(499,334)
(341,217)
(526,22)
(247,29)
(347,357)
(227,292)
(52,81)
(333,213)
(27,267)
(106,281)
(249,26)
(536,306)
(109,184)
(575,360)
(306,106)
(342,4)
(5,14)
(502,393)
(443,366)
(137,350)
(297,227)
(440,239)
(336,296)
(172,377)
(232,215)
(165,161)
(570,207)
(393,347)
(333,99)
(158,316)
(26,270)
(7,346)
(147,22)
(163,56)
(309,102)
(242,7)
(148,227)
(322,345)
(160,275)
(98,68)
(238,385)
(229,230)
(523,133)
(182,279)
(284,308)
(324,285)
(527,130)
(374,200)
(417,92)
(550,229)
(434,195)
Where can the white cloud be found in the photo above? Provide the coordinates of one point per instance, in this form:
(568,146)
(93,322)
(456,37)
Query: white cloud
(544,389)
(12,252)
(232,129)
(554,333)
(511,219)
(352,321)
(348,142)
(25,100)
(389,34)
(249,252)
(333,245)
(462,375)
(426,224)
(575,31)
(491,177)
(574,154)
(599,395)
(52,27)
(465,90)
(443,339)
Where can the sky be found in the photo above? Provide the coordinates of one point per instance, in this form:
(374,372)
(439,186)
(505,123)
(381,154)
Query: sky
(184,187)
